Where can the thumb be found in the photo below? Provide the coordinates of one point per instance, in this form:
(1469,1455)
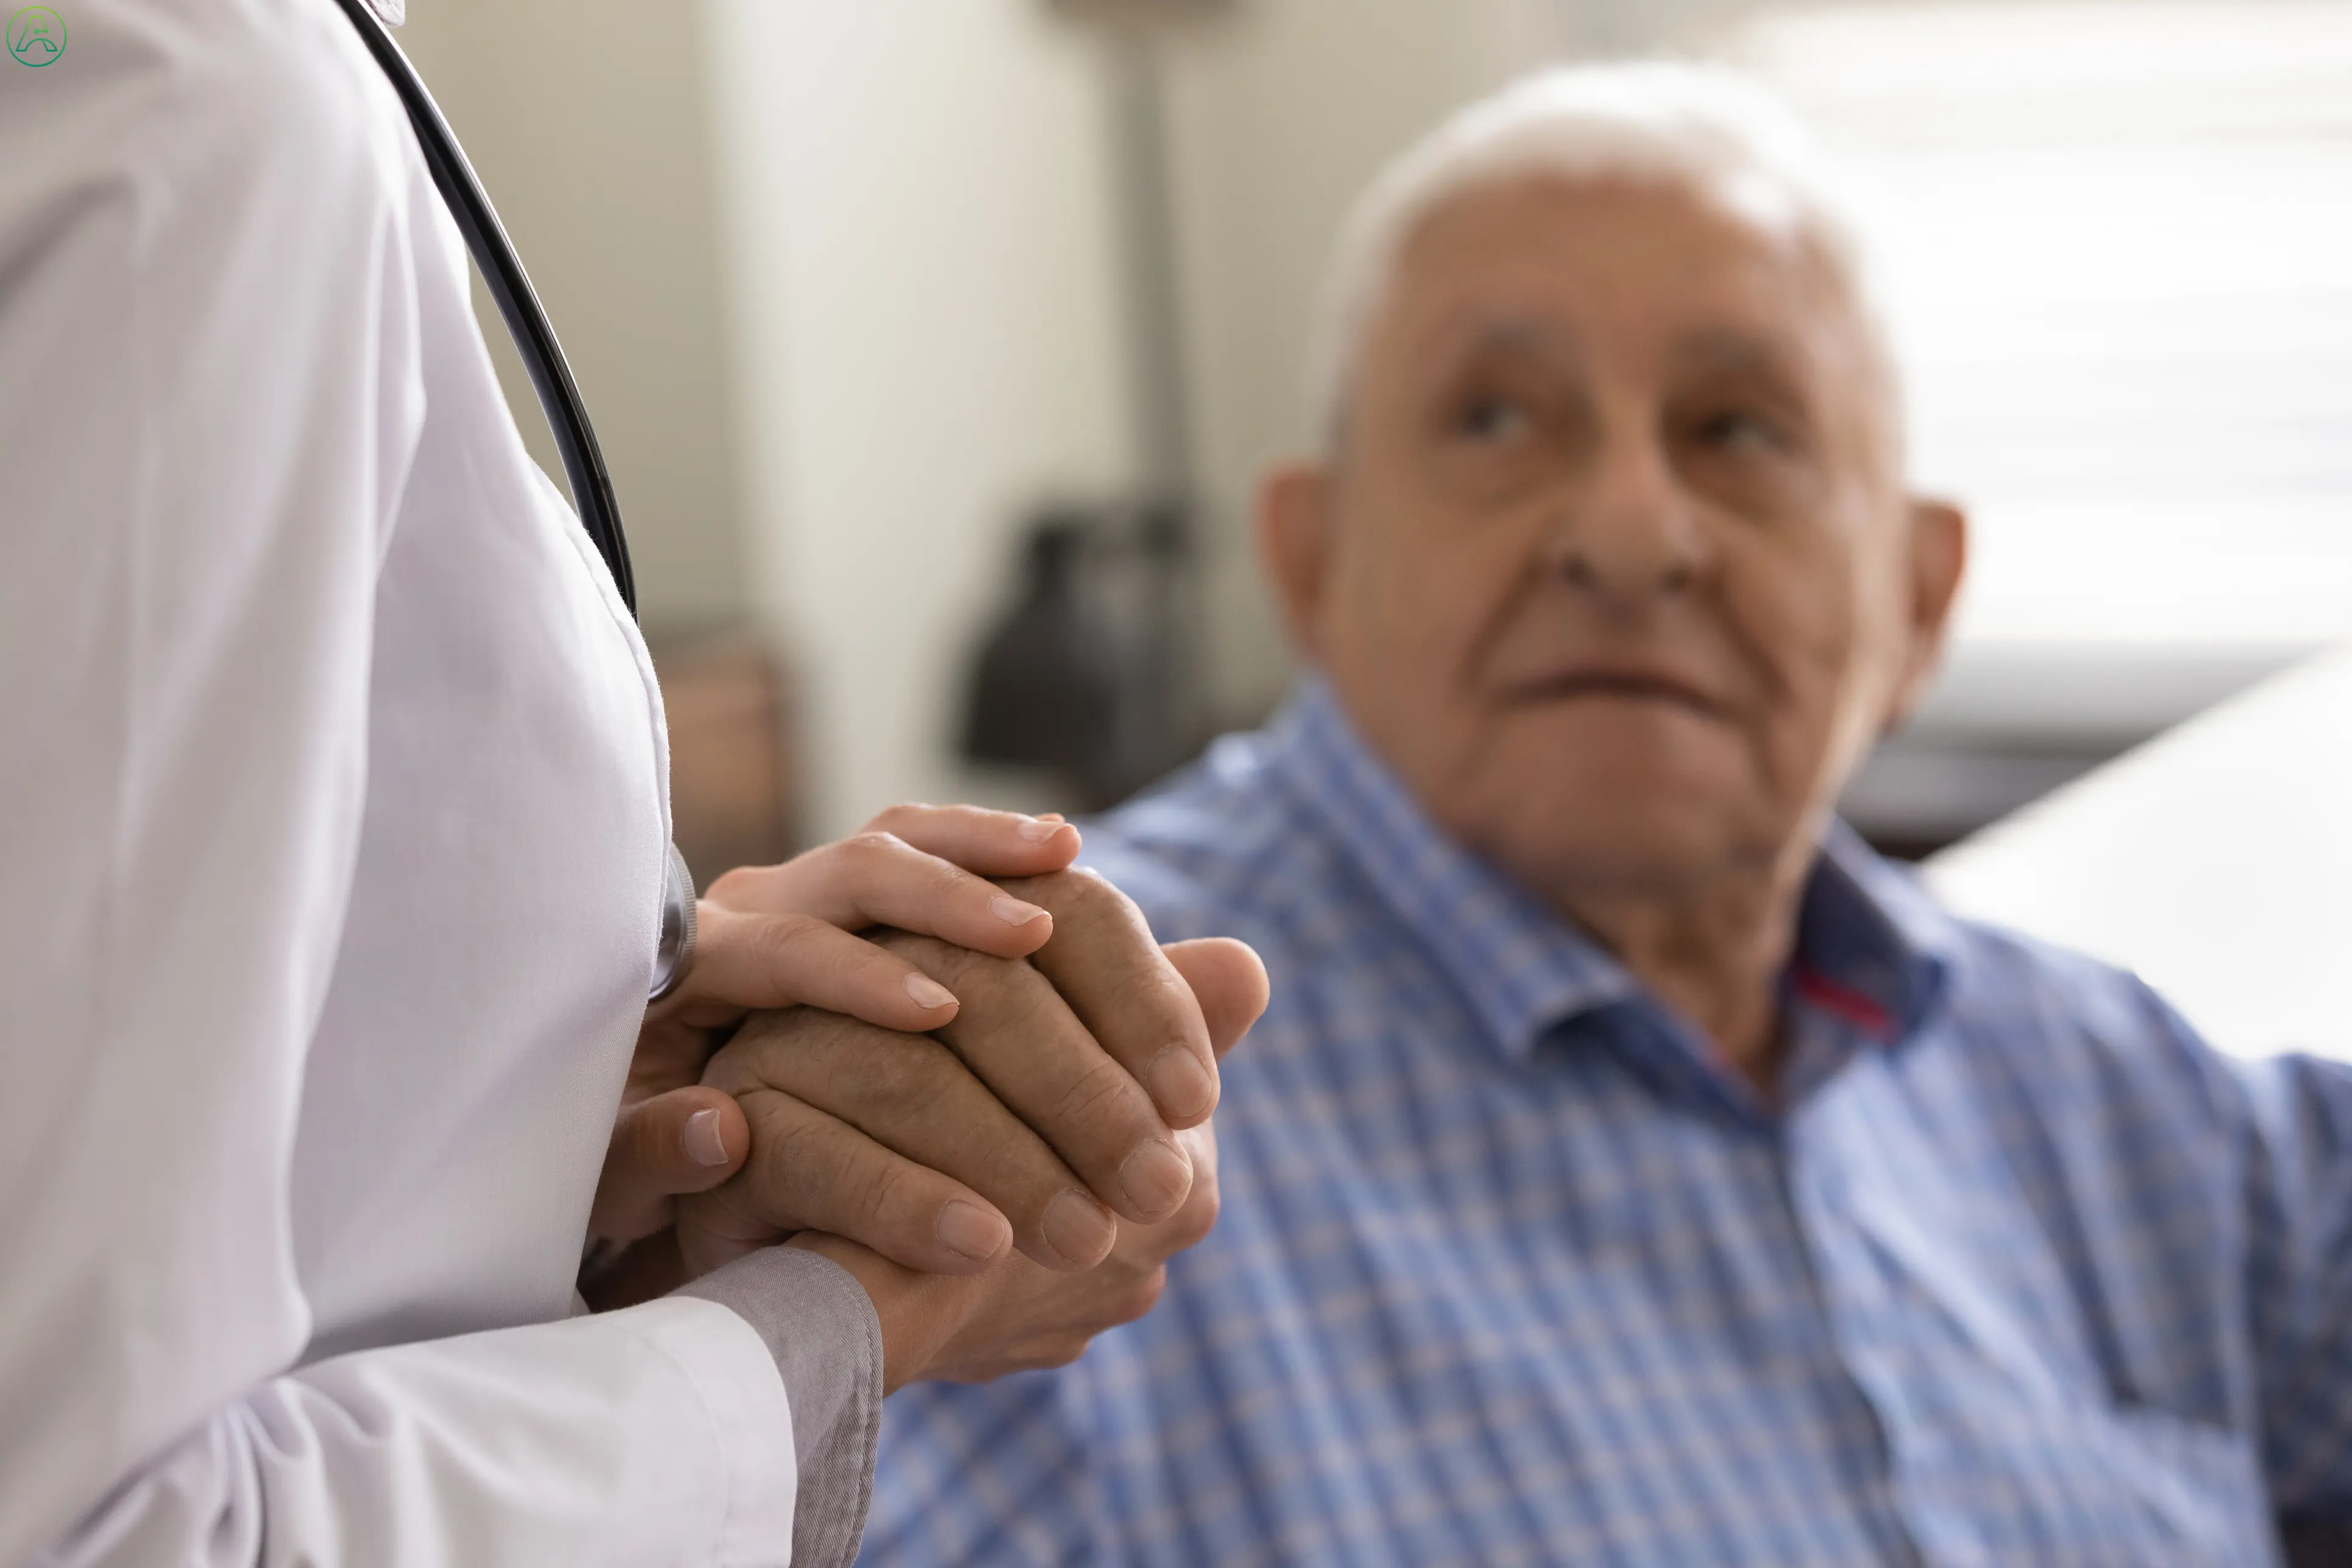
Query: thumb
(688,1140)
(1229,981)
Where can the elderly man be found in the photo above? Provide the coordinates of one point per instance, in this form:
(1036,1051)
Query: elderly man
(1632,1167)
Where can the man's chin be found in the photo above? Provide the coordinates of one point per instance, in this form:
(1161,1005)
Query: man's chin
(1568,869)
(1607,833)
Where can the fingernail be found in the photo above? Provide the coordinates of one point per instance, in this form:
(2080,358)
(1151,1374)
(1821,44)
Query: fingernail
(1077,1227)
(1013,912)
(1180,1084)
(1156,1177)
(704,1146)
(1038,830)
(971,1230)
(927,991)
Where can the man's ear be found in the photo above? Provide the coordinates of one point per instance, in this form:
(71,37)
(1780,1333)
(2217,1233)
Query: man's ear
(1294,539)
(1939,557)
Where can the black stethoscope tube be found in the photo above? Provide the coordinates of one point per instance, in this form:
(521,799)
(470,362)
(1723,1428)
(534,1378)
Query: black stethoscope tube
(559,399)
(486,240)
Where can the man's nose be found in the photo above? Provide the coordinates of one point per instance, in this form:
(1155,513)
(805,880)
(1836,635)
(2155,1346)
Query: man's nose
(1629,532)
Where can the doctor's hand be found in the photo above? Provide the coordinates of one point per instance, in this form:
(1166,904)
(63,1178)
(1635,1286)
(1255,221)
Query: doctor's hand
(779,936)
(1041,1117)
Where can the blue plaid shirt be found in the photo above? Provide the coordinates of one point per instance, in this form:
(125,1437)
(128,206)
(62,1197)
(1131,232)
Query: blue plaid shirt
(1511,1272)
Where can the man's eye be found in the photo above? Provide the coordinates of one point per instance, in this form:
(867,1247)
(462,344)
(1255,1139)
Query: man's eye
(1493,419)
(1737,430)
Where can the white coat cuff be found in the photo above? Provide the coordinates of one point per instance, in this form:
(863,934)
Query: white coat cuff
(726,1363)
(820,1326)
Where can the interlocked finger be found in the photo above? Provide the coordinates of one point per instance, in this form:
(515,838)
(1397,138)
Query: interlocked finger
(878,878)
(1021,1038)
(990,843)
(808,1171)
(912,1095)
(1105,966)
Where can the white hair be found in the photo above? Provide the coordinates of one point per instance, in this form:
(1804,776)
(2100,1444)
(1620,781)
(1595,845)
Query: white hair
(1706,129)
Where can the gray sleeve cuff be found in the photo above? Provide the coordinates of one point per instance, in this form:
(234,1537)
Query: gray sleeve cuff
(819,1324)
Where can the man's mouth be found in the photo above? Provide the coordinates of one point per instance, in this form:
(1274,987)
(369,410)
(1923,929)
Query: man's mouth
(1615,685)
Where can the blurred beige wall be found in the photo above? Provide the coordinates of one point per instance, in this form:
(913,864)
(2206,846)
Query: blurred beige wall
(918,235)
(588,122)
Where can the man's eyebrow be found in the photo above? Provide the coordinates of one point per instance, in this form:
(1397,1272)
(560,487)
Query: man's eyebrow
(1479,331)
(1731,348)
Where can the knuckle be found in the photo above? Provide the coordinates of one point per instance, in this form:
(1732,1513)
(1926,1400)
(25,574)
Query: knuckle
(790,1048)
(855,969)
(907,944)
(1155,991)
(737,1068)
(881,1077)
(736,888)
(997,993)
(1196,1219)
(1135,1299)
(1154,1286)
(1068,894)
(1048,1350)
(904,1078)
(886,1192)
(874,844)
(733,1213)
(1027,1176)
(1103,898)
(1021,1000)
(948,878)
(766,1192)
(781,940)
(1084,896)
(791,1158)
(928,953)
(1103,1096)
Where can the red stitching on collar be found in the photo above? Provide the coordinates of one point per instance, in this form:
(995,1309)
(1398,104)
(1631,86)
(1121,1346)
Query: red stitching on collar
(1862,1012)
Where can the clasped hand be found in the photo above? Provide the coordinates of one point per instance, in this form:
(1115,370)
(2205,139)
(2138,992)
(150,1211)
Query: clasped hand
(992,1107)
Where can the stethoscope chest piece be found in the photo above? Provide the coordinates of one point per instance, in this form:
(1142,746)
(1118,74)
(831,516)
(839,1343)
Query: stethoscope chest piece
(675,955)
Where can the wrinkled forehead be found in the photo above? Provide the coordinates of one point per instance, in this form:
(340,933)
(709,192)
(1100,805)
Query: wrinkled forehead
(1642,263)
(1678,272)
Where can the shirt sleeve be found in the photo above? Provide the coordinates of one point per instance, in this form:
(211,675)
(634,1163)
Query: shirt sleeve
(210,393)
(819,1325)
(2299,1286)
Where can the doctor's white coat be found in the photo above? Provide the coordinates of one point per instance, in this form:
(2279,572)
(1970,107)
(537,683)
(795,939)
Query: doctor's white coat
(332,810)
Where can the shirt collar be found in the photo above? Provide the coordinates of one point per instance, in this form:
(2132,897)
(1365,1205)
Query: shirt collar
(1872,947)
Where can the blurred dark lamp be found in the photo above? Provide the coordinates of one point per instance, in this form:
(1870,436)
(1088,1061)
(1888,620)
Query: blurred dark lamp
(1046,690)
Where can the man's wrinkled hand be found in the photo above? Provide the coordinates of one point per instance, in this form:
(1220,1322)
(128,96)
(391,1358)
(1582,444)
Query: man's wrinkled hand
(1044,1114)
(1015,1316)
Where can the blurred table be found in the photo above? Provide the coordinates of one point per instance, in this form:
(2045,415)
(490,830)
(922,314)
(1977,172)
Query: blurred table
(2216,861)
(734,790)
